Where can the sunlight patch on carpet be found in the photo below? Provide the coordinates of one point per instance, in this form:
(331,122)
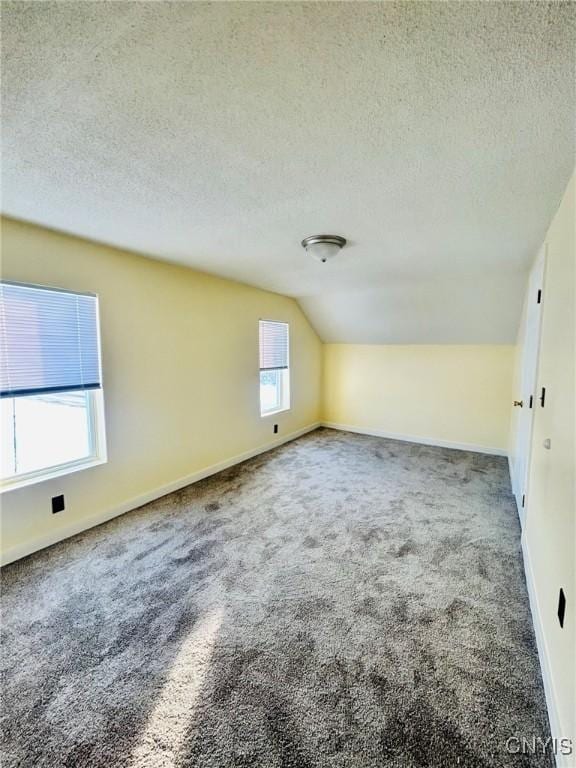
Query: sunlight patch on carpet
(166,728)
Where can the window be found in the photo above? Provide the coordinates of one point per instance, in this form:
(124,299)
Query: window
(274,369)
(51,407)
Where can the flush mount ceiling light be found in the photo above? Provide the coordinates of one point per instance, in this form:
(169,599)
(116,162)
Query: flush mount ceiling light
(323,247)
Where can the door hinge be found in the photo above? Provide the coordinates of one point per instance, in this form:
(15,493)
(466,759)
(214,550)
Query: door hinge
(531,401)
(543,396)
(523,499)
(539,299)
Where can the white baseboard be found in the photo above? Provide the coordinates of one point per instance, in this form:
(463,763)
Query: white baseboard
(22,550)
(416,439)
(556,730)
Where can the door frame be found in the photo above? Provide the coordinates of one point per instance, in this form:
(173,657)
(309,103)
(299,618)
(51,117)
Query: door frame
(520,485)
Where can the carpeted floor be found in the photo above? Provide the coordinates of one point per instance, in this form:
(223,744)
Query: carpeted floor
(341,601)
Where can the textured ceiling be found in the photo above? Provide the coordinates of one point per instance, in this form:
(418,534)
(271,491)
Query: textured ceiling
(437,137)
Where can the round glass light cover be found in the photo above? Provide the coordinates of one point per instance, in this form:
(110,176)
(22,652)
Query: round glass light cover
(323,251)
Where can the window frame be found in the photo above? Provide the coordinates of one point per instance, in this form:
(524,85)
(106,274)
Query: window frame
(96,418)
(286,387)
(284,392)
(96,439)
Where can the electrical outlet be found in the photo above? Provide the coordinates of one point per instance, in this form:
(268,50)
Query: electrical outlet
(57,503)
(561,607)
(275,429)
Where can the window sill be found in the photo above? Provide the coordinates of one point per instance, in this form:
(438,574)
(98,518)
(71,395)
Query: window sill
(49,474)
(274,413)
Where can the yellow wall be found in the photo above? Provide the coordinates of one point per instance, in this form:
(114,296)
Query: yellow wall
(449,393)
(180,369)
(549,533)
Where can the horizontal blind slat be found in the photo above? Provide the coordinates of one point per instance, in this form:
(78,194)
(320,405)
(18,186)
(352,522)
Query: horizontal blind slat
(273,345)
(48,341)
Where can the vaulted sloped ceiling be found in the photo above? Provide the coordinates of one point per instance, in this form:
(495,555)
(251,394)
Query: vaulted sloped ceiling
(437,137)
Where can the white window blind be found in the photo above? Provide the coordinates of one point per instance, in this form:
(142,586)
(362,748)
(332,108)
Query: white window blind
(48,340)
(273,345)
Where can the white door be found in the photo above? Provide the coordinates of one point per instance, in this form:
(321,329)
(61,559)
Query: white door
(525,399)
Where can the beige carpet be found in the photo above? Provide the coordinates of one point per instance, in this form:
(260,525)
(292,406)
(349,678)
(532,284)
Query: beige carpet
(341,601)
